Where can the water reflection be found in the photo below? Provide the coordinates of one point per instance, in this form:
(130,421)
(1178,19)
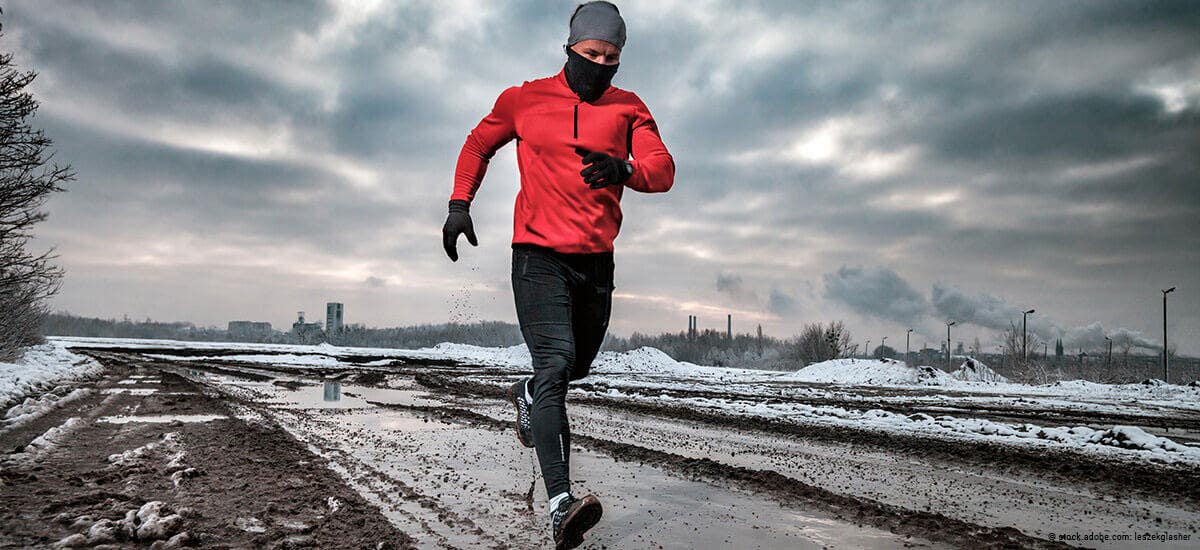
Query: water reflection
(333,390)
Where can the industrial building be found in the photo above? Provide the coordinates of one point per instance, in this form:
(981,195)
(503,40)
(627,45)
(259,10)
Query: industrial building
(333,319)
(306,333)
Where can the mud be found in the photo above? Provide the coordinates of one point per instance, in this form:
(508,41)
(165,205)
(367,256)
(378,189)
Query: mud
(787,491)
(222,483)
(422,454)
(1156,480)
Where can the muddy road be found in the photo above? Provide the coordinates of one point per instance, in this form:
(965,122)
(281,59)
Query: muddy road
(402,453)
(143,457)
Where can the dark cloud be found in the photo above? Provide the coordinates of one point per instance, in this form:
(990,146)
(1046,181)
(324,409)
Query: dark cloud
(728,282)
(1044,152)
(879,292)
(781,304)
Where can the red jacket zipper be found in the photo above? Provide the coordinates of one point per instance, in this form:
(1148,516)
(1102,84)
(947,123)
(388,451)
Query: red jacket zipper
(575,132)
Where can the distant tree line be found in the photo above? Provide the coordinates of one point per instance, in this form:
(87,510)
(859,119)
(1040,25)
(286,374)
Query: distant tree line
(816,342)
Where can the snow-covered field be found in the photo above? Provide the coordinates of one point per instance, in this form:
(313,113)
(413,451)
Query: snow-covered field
(854,393)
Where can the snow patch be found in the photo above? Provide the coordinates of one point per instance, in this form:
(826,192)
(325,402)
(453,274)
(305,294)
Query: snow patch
(283,359)
(168,440)
(32,409)
(973,370)
(153,521)
(513,356)
(50,439)
(161,418)
(41,368)
(870,371)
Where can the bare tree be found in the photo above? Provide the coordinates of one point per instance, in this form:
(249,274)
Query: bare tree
(1126,344)
(27,178)
(822,342)
(1024,369)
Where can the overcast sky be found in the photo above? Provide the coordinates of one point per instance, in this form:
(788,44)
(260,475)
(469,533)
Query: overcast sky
(890,164)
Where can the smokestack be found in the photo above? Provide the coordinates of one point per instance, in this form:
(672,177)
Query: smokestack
(729,326)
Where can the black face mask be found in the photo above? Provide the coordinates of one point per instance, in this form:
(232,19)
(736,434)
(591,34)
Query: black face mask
(587,78)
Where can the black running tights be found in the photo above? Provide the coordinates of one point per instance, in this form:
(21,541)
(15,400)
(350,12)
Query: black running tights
(563,305)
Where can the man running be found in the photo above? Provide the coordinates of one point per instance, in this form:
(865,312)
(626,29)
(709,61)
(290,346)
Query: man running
(574,132)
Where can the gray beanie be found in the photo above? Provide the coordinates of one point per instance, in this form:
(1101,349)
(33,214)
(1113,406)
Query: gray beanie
(599,20)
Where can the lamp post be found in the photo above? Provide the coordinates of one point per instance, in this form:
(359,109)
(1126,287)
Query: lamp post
(948,325)
(1024,347)
(883,345)
(907,358)
(868,348)
(1108,360)
(1165,372)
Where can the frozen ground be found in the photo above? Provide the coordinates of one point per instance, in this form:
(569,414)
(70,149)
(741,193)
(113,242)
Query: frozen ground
(844,454)
(886,396)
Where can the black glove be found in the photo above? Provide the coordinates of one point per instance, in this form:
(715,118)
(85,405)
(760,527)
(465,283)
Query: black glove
(457,223)
(602,169)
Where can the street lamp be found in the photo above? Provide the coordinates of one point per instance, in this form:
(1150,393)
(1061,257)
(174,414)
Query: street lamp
(1165,293)
(907,359)
(948,325)
(883,345)
(869,354)
(1024,347)
(1108,360)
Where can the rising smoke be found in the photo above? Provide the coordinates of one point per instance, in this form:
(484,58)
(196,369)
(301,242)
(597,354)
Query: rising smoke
(884,294)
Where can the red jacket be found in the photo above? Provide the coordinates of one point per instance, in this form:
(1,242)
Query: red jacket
(555,208)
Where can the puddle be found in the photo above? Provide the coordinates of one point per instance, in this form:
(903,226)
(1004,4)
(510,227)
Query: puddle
(642,504)
(388,421)
(130,391)
(336,395)
(161,418)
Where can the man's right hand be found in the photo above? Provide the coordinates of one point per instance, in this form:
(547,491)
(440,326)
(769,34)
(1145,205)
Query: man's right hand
(457,223)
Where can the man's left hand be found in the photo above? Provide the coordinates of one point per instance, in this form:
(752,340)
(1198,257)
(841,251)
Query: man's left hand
(602,169)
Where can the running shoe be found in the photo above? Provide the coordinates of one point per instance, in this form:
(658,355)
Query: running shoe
(524,427)
(572,518)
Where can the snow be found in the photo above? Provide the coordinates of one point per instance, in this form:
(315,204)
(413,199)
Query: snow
(161,418)
(154,523)
(648,360)
(1127,441)
(51,438)
(33,408)
(654,363)
(282,359)
(973,370)
(150,522)
(169,441)
(42,368)
(879,372)
(513,356)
